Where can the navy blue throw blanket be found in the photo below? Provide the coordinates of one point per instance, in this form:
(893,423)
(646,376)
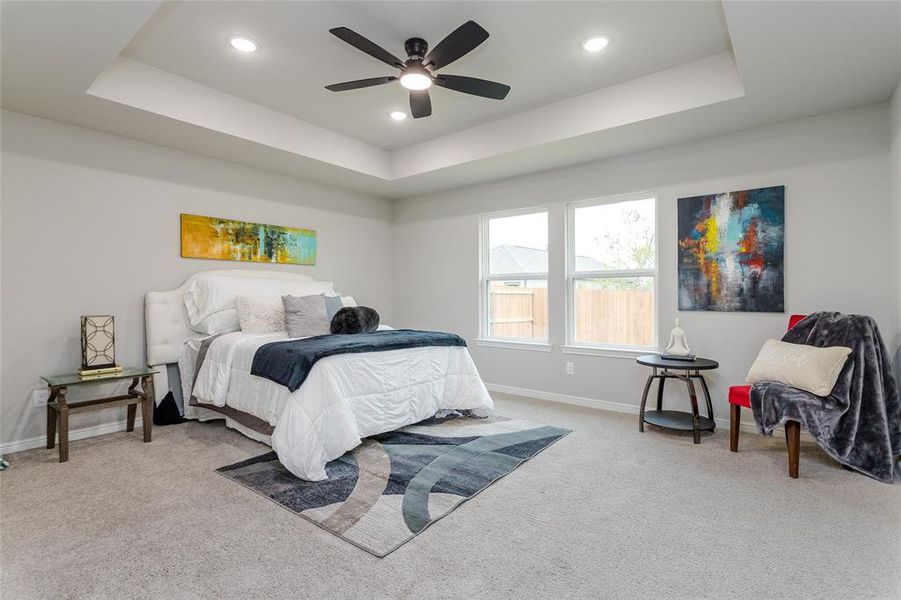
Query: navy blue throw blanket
(288,363)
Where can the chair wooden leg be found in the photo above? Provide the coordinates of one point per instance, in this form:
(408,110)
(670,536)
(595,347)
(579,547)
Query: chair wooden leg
(734,426)
(793,440)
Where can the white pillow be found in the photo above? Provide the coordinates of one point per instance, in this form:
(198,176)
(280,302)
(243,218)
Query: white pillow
(209,294)
(224,321)
(347,301)
(808,368)
(260,314)
(307,288)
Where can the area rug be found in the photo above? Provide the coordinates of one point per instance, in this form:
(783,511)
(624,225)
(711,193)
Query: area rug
(393,486)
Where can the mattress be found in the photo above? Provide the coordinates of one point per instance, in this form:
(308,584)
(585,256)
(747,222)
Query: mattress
(345,398)
(187,362)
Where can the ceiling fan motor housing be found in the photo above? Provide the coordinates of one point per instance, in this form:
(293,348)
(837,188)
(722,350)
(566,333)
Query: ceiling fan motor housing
(416,48)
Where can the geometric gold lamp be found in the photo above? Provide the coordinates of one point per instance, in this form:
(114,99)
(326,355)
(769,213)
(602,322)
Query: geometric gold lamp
(98,342)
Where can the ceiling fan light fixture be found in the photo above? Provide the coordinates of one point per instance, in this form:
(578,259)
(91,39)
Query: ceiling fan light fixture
(243,44)
(415,80)
(595,44)
(398,115)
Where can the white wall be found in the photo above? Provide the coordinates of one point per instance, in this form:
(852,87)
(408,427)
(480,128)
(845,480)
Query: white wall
(838,244)
(90,222)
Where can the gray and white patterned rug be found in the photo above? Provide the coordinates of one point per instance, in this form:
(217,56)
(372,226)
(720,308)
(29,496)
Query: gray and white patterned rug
(389,489)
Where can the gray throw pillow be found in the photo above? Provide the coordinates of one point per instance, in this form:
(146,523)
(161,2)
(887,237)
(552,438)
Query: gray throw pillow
(306,315)
(332,305)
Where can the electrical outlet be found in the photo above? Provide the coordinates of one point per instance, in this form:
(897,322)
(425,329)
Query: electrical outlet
(40,397)
(570,368)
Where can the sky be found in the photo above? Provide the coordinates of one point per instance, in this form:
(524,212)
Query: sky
(593,222)
(522,230)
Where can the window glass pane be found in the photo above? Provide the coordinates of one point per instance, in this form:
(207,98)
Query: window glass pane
(518,244)
(616,310)
(518,309)
(614,236)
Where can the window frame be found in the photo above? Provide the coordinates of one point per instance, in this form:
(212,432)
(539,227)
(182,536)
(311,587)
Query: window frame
(608,349)
(485,279)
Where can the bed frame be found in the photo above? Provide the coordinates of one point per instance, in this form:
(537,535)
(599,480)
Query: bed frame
(168,327)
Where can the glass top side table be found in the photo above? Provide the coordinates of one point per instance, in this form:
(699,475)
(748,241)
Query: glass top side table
(58,410)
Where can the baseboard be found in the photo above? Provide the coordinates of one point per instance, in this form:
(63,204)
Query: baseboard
(74,434)
(619,407)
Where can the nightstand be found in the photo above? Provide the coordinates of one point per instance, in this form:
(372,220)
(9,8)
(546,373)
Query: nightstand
(58,410)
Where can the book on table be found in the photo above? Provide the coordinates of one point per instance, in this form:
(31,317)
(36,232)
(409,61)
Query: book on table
(115,369)
(98,376)
(682,357)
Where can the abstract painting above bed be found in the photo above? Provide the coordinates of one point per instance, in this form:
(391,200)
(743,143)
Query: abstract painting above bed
(731,251)
(225,239)
(394,485)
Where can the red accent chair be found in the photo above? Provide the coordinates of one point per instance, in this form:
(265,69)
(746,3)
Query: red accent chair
(740,395)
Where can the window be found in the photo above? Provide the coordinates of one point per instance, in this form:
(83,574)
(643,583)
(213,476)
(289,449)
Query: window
(612,273)
(514,276)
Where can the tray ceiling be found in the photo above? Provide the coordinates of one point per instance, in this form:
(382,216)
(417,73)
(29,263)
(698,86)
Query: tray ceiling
(675,71)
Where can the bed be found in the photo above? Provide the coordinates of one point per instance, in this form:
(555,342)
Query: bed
(345,397)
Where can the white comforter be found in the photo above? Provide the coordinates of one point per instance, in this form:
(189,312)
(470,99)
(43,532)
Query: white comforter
(346,397)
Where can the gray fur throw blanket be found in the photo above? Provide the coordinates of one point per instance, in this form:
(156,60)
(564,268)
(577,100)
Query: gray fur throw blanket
(355,319)
(859,423)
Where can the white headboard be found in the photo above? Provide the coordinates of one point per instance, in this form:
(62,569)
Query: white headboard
(166,320)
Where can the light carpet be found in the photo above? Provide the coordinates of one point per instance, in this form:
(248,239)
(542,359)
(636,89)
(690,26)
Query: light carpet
(394,485)
(606,513)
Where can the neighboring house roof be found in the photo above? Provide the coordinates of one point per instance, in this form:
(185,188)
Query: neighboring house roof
(520,259)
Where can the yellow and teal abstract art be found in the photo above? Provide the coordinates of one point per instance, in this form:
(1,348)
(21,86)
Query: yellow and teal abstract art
(225,239)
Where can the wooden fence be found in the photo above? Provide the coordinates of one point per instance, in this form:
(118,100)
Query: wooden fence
(520,312)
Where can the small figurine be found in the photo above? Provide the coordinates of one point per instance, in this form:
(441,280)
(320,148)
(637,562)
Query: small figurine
(678,345)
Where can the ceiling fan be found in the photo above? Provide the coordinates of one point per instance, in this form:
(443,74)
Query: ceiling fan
(417,73)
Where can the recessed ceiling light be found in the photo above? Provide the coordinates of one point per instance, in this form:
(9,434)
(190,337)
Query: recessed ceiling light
(398,115)
(595,44)
(243,44)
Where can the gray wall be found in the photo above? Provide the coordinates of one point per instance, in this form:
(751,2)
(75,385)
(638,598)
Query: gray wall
(90,223)
(895,158)
(838,246)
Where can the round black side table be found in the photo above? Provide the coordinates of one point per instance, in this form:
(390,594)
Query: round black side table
(664,369)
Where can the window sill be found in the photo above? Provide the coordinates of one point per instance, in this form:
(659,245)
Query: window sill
(609,352)
(514,345)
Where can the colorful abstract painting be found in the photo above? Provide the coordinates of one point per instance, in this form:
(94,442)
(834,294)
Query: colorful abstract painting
(731,251)
(224,239)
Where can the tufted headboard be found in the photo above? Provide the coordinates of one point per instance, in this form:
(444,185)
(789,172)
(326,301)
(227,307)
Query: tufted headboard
(167,325)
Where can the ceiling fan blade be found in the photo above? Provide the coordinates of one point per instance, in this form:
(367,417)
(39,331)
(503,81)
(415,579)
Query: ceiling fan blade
(460,41)
(359,83)
(372,49)
(420,104)
(471,85)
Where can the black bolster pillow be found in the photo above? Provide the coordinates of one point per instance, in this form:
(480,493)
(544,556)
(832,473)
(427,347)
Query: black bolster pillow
(355,319)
